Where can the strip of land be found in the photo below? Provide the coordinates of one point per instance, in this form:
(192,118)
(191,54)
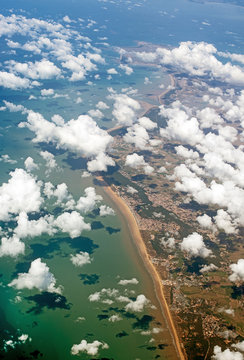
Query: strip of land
(134,229)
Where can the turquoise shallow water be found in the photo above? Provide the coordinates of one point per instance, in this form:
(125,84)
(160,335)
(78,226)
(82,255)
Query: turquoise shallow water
(51,320)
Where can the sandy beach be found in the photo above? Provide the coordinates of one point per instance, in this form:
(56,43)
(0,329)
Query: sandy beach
(134,229)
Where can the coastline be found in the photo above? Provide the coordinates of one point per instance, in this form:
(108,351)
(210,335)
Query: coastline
(158,286)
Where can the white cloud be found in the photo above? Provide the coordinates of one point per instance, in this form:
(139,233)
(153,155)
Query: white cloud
(112,71)
(186,153)
(6,158)
(131,190)
(125,282)
(125,109)
(106,210)
(136,161)
(72,223)
(224,222)
(127,69)
(100,163)
(169,243)
(239,346)
(88,202)
(137,305)
(102,105)
(11,81)
(237,271)
(147,123)
(226,354)
(82,136)
(80,259)
(20,193)
(114,318)
(32,228)
(205,221)
(138,136)
(30,165)
(11,247)
(96,114)
(50,160)
(207,268)
(88,348)
(38,277)
(193,244)
(43,69)
(47,92)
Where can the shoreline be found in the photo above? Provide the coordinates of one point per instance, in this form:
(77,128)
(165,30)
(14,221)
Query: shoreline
(141,247)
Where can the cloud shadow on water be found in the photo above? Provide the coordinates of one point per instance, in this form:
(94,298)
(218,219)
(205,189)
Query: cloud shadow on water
(47,300)
(89,279)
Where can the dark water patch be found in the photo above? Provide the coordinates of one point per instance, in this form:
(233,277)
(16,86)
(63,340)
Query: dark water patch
(94,213)
(80,243)
(151,348)
(124,313)
(36,354)
(139,177)
(22,267)
(237,291)
(153,186)
(143,322)
(121,334)
(102,317)
(50,147)
(57,210)
(47,300)
(194,266)
(162,346)
(44,251)
(194,206)
(76,163)
(96,225)
(91,279)
(111,230)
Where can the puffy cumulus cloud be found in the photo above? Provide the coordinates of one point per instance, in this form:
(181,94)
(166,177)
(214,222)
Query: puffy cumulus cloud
(146,123)
(186,153)
(197,59)
(125,282)
(50,161)
(42,70)
(194,245)
(114,318)
(169,243)
(237,271)
(125,109)
(82,136)
(112,71)
(239,346)
(180,125)
(136,161)
(32,228)
(131,190)
(80,259)
(138,136)
(15,108)
(80,65)
(208,118)
(88,348)
(14,82)
(60,192)
(224,222)
(88,202)
(47,92)
(207,268)
(100,163)
(72,223)
(102,105)
(6,158)
(38,277)
(30,165)
(96,114)
(106,210)
(205,221)
(11,247)
(21,193)
(127,69)
(107,296)
(226,354)
(138,305)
